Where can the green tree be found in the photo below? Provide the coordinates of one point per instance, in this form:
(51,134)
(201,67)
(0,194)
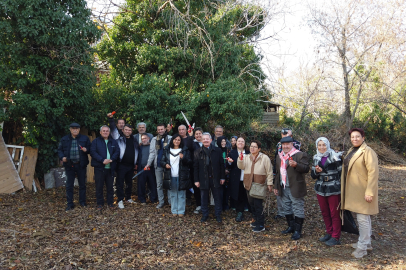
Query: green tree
(190,56)
(46,72)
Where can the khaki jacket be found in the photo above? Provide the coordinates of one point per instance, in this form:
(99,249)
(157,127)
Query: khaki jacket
(362,179)
(262,170)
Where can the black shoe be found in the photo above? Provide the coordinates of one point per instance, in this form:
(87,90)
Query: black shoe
(112,207)
(253,224)
(298,228)
(83,205)
(240,217)
(188,202)
(259,228)
(99,207)
(204,218)
(325,238)
(277,217)
(333,242)
(69,207)
(218,219)
(291,224)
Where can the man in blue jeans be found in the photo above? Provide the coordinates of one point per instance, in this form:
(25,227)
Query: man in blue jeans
(73,150)
(209,174)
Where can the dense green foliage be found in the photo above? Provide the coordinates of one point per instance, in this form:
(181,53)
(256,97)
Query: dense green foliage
(168,63)
(46,73)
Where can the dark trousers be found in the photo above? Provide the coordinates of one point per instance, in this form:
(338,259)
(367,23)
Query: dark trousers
(257,209)
(197,195)
(71,172)
(101,177)
(242,198)
(331,216)
(124,174)
(226,197)
(217,199)
(196,190)
(147,177)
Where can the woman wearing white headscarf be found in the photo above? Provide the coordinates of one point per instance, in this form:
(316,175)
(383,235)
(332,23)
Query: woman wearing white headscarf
(327,170)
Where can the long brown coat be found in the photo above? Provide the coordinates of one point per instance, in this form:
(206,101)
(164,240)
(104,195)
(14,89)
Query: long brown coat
(296,176)
(362,179)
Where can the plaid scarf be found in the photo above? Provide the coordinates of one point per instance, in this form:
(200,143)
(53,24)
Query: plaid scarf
(74,151)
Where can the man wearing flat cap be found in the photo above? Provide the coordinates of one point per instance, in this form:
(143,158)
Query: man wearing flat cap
(73,150)
(290,185)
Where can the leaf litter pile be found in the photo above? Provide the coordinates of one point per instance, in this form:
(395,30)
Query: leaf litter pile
(36,233)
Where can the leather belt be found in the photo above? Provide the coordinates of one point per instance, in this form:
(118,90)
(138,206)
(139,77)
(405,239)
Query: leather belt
(328,178)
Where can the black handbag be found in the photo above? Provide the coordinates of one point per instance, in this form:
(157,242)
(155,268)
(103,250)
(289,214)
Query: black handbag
(167,179)
(167,184)
(348,223)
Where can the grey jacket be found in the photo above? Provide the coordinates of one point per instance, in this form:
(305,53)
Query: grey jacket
(153,153)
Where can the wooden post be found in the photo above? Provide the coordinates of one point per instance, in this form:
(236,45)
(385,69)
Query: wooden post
(29,162)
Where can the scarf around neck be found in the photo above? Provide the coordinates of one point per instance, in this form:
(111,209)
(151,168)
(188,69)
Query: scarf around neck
(283,158)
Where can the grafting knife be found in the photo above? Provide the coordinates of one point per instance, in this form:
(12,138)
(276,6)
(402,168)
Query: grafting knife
(187,121)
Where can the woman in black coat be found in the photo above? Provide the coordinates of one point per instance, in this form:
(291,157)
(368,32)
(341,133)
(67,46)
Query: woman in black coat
(176,161)
(236,186)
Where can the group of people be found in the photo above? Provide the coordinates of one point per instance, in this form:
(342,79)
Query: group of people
(194,162)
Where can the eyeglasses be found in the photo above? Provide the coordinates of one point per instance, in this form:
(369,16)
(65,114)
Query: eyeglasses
(285,131)
(253,146)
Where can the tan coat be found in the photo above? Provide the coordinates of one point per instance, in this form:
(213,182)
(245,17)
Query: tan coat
(362,179)
(262,174)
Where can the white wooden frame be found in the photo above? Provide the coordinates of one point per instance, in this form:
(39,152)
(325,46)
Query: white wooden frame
(20,160)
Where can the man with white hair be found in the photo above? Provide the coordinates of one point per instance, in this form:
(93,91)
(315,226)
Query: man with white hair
(142,129)
(209,174)
(105,153)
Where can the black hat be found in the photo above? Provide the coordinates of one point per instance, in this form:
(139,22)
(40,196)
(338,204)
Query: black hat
(74,125)
(286,139)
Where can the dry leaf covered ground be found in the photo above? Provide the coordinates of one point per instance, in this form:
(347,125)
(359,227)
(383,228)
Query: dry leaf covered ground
(36,233)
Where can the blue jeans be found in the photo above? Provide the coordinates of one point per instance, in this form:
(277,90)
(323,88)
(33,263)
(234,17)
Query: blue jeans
(178,197)
(70,180)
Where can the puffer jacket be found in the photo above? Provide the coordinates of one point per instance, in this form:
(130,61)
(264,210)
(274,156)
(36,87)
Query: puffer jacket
(184,170)
(329,180)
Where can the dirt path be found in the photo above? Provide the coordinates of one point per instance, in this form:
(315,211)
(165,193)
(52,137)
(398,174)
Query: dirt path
(36,233)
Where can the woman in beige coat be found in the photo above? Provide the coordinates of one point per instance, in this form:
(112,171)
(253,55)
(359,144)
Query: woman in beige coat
(258,169)
(359,188)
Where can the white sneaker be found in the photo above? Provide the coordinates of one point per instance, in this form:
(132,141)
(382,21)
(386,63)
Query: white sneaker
(198,209)
(359,253)
(130,201)
(121,205)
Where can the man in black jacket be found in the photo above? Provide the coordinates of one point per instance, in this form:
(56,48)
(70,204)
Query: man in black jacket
(209,174)
(119,127)
(105,153)
(126,165)
(73,150)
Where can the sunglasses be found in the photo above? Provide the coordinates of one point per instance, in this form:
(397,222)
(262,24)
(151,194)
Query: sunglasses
(285,131)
